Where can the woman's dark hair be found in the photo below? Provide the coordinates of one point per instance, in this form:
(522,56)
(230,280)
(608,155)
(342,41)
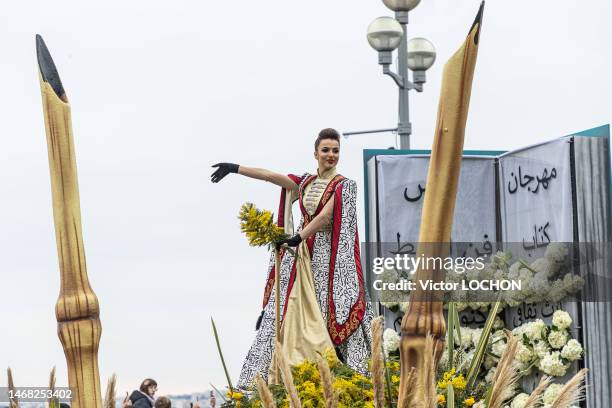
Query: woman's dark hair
(327,133)
(146,384)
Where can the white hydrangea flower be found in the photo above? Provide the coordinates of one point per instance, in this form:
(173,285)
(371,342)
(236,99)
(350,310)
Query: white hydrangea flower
(572,350)
(540,349)
(543,266)
(551,364)
(535,330)
(499,348)
(476,333)
(489,362)
(391,340)
(525,276)
(403,306)
(513,271)
(557,338)
(562,319)
(489,376)
(556,252)
(539,285)
(572,283)
(498,323)
(466,337)
(465,360)
(524,354)
(552,393)
(519,401)
(557,291)
(518,331)
(389,275)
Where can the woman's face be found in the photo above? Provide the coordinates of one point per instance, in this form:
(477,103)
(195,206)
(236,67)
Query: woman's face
(151,390)
(327,154)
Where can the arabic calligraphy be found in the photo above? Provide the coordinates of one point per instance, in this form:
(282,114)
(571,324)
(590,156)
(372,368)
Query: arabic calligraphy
(407,248)
(473,317)
(530,311)
(417,197)
(484,251)
(540,238)
(526,181)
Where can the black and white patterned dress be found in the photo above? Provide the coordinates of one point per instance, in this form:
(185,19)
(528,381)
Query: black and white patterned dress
(337,274)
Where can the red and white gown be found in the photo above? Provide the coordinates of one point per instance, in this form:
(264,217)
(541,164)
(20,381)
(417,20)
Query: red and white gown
(324,303)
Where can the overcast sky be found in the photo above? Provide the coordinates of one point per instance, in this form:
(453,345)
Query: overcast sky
(161,90)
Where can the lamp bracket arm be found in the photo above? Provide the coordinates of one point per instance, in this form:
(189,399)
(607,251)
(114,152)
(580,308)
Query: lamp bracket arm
(399,80)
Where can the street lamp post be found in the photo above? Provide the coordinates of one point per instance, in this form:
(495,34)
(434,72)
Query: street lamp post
(385,34)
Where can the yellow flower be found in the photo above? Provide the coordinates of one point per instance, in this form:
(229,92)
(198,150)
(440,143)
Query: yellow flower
(235,395)
(449,374)
(443,384)
(441,399)
(468,402)
(395,379)
(259,226)
(459,382)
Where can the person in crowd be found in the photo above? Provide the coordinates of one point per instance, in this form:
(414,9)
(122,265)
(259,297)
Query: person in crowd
(144,397)
(163,402)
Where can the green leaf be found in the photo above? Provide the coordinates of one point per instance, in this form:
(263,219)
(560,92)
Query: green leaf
(450,396)
(488,396)
(387,377)
(481,348)
(229,382)
(451,334)
(457,323)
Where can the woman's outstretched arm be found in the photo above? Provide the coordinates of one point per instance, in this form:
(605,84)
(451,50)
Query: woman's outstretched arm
(267,175)
(223,169)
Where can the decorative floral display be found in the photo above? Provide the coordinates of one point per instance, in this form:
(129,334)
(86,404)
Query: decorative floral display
(259,227)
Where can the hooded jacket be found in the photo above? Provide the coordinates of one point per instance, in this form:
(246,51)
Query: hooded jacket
(141,400)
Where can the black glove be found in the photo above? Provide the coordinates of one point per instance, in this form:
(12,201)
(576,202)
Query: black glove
(292,242)
(223,170)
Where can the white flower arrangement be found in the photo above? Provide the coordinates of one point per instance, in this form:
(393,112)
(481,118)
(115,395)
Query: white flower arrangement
(542,347)
(572,351)
(561,319)
(556,252)
(545,279)
(552,393)
(552,364)
(391,341)
(519,400)
(557,338)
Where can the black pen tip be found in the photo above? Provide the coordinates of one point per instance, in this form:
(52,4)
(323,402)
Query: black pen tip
(478,20)
(48,71)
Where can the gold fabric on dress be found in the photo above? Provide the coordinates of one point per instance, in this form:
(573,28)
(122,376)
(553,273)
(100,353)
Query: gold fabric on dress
(304,333)
(314,191)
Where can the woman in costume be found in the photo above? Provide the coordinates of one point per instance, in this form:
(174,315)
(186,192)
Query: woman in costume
(323,301)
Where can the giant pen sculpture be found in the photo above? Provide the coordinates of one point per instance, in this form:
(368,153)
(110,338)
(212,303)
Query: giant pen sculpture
(77,310)
(425,312)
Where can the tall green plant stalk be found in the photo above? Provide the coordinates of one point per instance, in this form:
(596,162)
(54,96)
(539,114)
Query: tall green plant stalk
(387,378)
(229,382)
(450,396)
(450,342)
(482,345)
(218,392)
(454,326)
